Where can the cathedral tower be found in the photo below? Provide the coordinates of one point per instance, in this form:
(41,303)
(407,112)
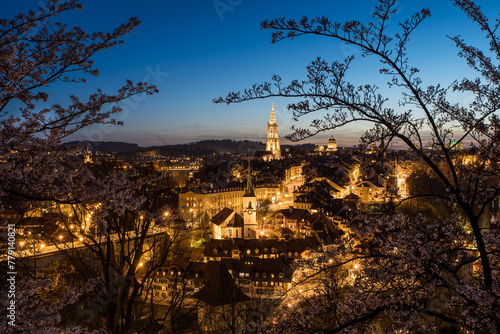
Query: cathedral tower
(249,208)
(273,139)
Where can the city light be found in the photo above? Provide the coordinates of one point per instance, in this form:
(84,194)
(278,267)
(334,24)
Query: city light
(81,238)
(21,243)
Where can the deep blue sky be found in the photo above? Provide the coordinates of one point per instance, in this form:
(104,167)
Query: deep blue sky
(207,53)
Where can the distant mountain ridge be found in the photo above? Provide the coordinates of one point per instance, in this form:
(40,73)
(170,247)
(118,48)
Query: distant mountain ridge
(202,147)
(106,146)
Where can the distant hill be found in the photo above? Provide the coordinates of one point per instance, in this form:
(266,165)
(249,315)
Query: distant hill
(107,146)
(204,147)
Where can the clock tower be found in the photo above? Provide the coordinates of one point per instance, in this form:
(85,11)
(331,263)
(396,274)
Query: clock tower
(249,208)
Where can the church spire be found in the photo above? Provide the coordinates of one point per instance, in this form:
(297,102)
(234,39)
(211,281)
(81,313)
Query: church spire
(273,118)
(273,139)
(249,191)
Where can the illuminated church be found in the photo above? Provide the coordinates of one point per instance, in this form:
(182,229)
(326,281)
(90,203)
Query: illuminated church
(273,146)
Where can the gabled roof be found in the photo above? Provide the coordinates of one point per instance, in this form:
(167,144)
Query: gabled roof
(219,245)
(255,267)
(221,217)
(294,214)
(352,196)
(235,221)
(220,289)
(225,247)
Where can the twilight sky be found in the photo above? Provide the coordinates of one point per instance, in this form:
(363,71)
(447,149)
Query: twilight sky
(197,50)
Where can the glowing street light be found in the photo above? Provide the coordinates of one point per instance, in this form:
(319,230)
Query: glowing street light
(21,243)
(81,238)
(60,237)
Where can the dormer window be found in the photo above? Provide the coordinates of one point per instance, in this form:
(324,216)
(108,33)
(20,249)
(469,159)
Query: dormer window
(215,250)
(248,251)
(256,274)
(264,275)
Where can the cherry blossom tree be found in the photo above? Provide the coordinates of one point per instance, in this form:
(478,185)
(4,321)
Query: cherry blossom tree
(36,171)
(416,272)
(35,53)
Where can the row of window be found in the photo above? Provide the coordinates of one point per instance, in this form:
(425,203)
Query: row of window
(265,256)
(265,283)
(264,275)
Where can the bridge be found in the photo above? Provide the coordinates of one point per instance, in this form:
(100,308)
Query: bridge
(43,255)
